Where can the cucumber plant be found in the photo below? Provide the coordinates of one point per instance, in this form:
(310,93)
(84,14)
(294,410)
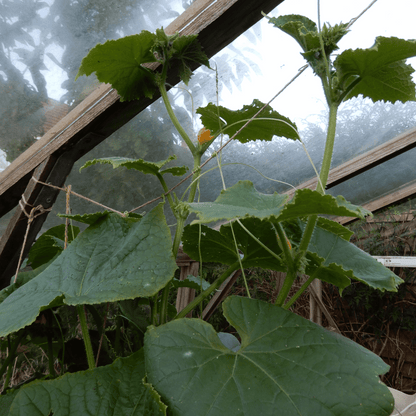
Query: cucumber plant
(280,363)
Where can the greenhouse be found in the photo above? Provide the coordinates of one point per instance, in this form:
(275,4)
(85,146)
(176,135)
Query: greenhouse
(207,207)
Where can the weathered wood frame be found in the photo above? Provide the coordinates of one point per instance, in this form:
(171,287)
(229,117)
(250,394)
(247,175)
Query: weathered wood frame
(217,24)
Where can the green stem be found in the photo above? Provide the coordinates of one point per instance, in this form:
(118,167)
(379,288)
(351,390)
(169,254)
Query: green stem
(294,298)
(86,336)
(208,291)
(323,176)
(166,189)
(329,147)
(287,285)
(284,245)
(173,117)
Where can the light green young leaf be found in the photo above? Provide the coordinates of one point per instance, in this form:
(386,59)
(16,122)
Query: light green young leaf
(187,50)
(116,389)
(120,63)
(115,258)
(305,32)
(269,123)
(378,72)
(152,168)
(286,365)
(239,201)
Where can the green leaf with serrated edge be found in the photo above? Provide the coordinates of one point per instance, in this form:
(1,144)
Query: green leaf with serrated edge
(6,401)
(302,29)
(258,129)
(115,258)
(116,389)
(193,282)
(239,201)
(307,202)
(305,32)
(379,72)
(49,244)
(286,365)
(219,246)
(120,63)
(175,170)
(141,165)
(328,249)
(187,50)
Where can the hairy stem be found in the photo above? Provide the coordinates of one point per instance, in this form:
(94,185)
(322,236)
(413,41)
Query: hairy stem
(86,336)
(208,291)
(293,299)
(173,117)
(287,285)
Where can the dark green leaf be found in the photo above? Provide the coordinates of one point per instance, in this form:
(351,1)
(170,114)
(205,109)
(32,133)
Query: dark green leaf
(116,389)
(269,123)
(120,63)
(286,365)
(378,72)
(115,258)
(219,246)
(49,244)
(215,247)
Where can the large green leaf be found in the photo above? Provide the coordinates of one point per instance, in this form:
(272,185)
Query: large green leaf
(242,200)
(239,201)
(378,72)
(269,123)
(286,365)
(332,256)
(153,168)
(120,63)
(117,389)
(115,258)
